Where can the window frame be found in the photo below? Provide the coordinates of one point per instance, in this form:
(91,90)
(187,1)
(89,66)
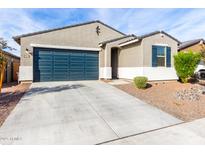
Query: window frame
(165,55)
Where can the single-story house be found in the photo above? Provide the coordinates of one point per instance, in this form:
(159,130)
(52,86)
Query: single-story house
(197,45)
(95,50)
(12,67)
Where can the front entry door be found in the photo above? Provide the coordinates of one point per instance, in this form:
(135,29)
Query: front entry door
(114,63)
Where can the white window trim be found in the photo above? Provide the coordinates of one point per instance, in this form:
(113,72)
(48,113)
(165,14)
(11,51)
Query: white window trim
(165,45)
(129,42)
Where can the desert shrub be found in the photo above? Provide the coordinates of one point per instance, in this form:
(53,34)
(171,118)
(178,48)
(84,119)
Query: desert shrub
(140,82)
(185,64)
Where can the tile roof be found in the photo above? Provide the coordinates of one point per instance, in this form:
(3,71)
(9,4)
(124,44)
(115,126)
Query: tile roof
(17,38)
(116,39)
(10,54)
(189,43)
(150,34)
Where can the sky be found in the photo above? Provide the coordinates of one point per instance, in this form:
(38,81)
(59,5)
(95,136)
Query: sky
(184,24)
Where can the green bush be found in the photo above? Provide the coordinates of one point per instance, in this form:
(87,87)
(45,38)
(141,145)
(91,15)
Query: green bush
(185,64)
(140,82)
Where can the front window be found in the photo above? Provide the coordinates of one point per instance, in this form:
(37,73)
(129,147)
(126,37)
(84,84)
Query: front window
(161,58)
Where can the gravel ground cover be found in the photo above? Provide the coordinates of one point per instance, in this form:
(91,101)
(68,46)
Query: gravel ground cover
(9,98)
(184,101)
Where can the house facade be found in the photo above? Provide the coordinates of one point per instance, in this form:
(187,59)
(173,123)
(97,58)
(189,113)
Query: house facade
(149,55)
(94,50)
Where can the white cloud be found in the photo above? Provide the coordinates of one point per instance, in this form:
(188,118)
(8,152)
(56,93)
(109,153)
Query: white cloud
(190,25)
(14,22)
(184,24)
(137,21)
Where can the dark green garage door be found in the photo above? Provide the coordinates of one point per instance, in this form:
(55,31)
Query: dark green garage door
(64,65)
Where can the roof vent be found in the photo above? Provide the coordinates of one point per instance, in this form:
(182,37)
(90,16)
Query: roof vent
(201,42)
(161,34)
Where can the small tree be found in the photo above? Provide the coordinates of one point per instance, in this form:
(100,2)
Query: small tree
(3,60)
(185,64)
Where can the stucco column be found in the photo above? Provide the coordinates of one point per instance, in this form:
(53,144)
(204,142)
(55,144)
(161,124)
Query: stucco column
(107,67)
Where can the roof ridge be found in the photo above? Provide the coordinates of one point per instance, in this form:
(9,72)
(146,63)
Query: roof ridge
(17,37)
(8,53)
(116,39)
(150,34)
(189,43)
(156,32)
(130,40)
(193,40)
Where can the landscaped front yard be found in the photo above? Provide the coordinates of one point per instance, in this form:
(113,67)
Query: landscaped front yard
(9,98)
(184,101)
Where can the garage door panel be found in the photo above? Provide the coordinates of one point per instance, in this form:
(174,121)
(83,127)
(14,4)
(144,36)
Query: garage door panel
(46,77)
(77,66)
(62,65)
(46,56)
(76,59)
(91,71)
(91,64)
(44,63)
(90,76)
(60,60)
(75,77)
(91,61)
(45,71)
(60,77)
(61,57)
(76,71)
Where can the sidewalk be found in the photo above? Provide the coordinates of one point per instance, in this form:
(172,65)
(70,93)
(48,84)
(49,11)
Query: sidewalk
(186,133)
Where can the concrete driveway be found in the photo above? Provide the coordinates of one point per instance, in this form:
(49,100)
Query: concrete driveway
(191,133)
(80,112)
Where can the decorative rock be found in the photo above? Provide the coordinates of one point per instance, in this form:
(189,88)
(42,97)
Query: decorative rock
(192,94)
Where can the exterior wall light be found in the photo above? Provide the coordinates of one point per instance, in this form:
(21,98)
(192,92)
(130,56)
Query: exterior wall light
(28,51)
(98,30)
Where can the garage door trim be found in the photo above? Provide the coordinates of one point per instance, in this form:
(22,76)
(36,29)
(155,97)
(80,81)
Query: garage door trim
(63,47)
(46,72)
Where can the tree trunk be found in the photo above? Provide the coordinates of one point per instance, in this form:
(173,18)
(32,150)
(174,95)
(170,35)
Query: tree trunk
(2,74)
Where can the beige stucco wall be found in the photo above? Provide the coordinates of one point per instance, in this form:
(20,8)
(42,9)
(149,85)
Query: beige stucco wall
(140,54)
(102,56)
(154,40)
(80,36)
(107,51)
(131,56)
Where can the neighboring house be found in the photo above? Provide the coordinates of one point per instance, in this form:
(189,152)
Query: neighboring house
(12,67)
(197,45)
(94,50)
